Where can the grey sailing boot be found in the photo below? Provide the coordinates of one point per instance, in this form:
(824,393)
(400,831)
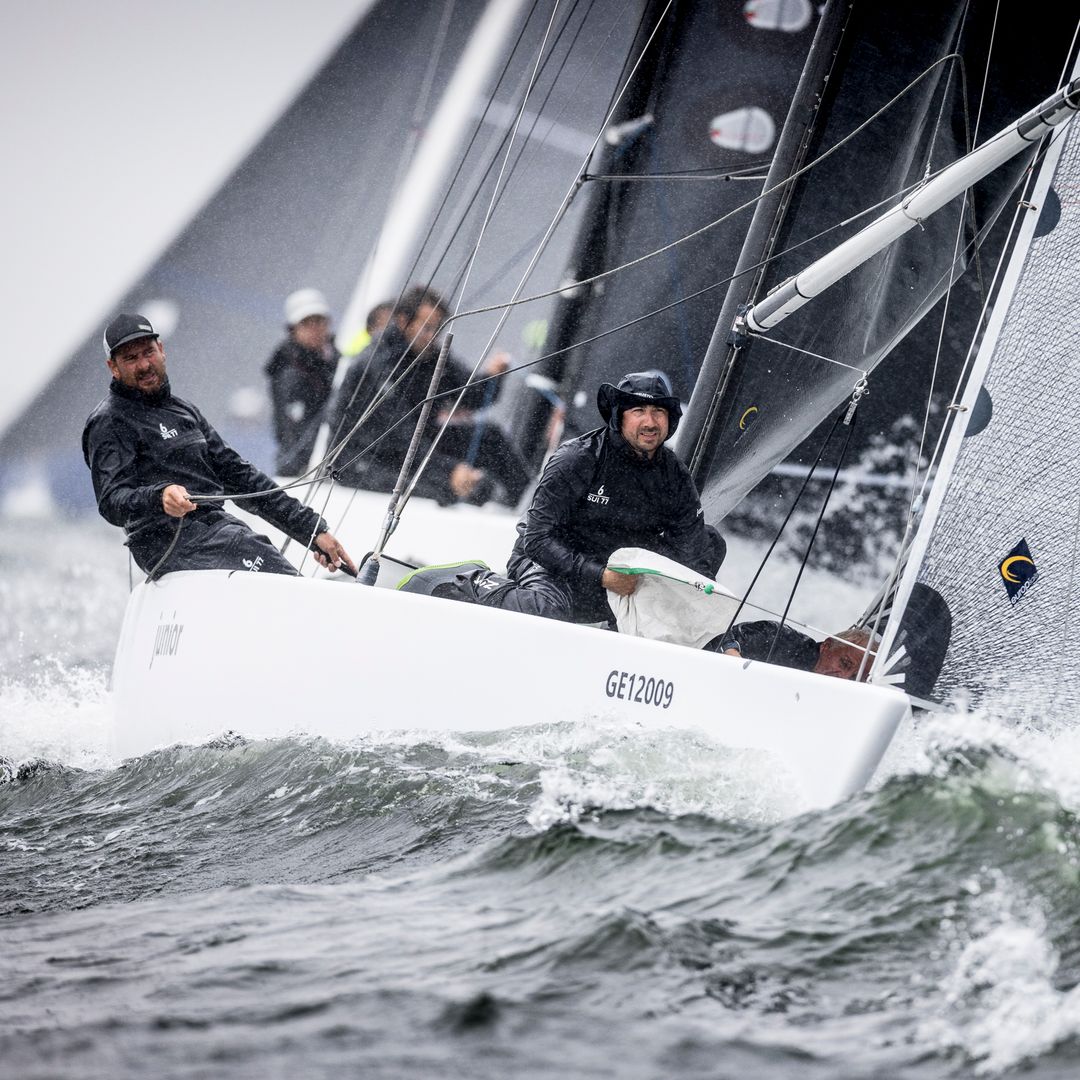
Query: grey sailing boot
(442,580)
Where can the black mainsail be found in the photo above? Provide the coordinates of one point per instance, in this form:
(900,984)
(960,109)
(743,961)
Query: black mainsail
(688,145)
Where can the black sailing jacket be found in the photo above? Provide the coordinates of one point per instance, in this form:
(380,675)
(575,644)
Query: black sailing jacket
(300,383)
(377,365)
(138,444)
(793,649)
(597,495)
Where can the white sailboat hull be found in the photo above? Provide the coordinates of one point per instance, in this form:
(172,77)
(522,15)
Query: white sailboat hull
(202,652)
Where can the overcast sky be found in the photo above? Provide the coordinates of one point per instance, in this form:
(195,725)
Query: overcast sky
(119,119)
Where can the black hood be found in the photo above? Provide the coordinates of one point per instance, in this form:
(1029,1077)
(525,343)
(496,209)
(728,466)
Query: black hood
(638,388)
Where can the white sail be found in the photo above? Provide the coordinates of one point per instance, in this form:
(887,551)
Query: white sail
(108,222)
(998,542)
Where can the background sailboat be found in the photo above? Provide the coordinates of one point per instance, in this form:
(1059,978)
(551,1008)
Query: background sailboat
(305,207)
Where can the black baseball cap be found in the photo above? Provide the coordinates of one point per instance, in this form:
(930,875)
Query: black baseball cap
(125,328)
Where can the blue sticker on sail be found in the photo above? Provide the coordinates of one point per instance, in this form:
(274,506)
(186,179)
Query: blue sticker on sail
(1018,571)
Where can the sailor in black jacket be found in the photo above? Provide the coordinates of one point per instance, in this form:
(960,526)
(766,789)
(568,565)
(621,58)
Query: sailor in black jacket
(840,655)
(146,449)
(617,486)
(392,377)
(301,374)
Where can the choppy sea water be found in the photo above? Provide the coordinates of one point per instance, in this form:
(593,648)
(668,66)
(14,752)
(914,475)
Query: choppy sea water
(571,901)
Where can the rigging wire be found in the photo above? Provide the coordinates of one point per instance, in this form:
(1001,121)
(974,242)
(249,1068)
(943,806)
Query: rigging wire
(817,524)
(502,169)
(388,384)
(862,372)
(400,493)
(514,302)
(810,165)
(749,172)
(783,525)
(567,198)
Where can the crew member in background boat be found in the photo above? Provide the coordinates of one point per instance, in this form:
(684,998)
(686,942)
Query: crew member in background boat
(374,325)
(473,454)
(301,374)
(618,486)
(147,449)
(840,655)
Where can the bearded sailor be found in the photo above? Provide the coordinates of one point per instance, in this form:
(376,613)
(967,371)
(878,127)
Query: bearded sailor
(616,487)
(148,450)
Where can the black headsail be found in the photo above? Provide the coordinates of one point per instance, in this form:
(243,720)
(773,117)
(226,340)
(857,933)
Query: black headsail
(753,406)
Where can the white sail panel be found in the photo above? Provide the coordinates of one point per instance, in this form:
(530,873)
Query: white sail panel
(1001,537)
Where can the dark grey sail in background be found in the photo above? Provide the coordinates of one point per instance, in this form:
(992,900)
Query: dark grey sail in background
(776,395)
(301,210)
(999,544)
(305,208)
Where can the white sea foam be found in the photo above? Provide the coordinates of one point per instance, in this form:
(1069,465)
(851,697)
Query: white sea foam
(593,765)
(60,614)
(998,1001)
(63,716)
(1042,749)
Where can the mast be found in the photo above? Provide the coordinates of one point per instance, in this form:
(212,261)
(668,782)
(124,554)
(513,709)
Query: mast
(692,440)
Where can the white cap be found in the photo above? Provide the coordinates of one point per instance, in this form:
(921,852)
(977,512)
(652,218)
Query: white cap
(303,303)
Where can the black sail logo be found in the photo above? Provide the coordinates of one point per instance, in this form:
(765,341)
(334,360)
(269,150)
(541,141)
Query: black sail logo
(1018,572)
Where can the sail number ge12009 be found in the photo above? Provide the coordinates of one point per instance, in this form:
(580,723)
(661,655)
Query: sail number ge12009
(629,686)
